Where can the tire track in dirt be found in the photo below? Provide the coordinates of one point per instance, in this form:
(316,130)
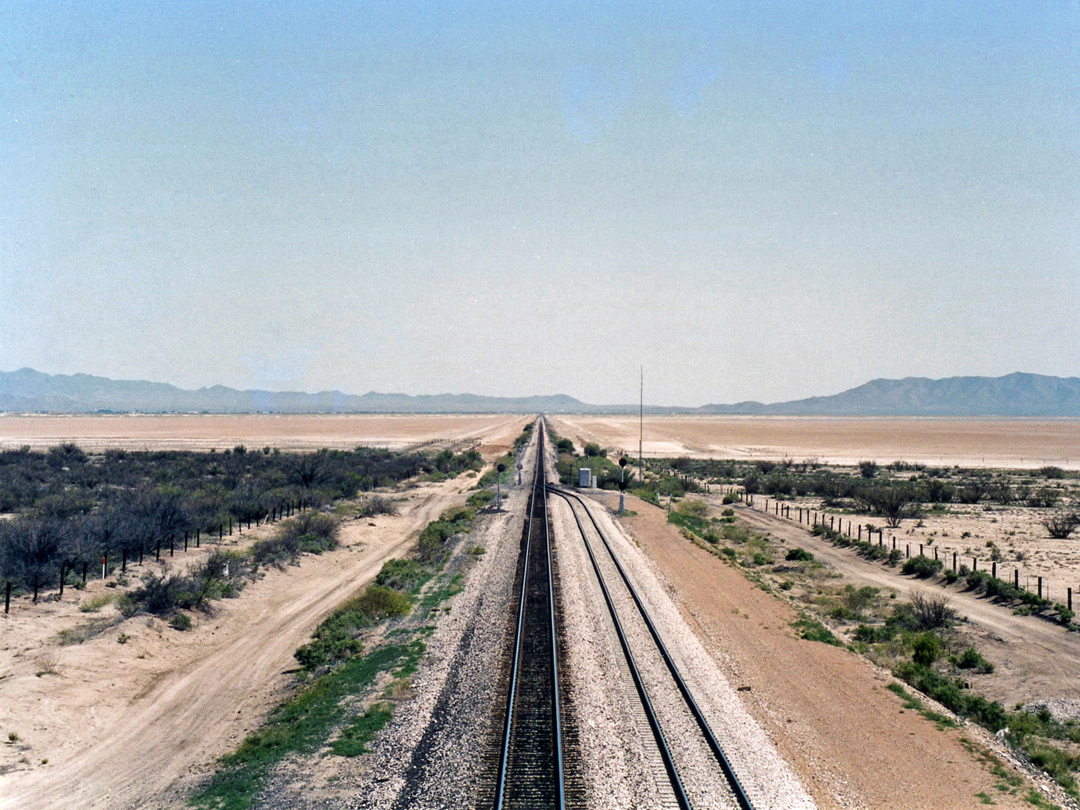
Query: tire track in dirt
(154,748)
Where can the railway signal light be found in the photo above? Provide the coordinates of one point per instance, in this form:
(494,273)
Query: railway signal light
(498,487)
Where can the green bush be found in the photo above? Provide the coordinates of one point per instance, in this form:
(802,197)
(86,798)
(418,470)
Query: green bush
(402,575)
(922,567)
(799,555)
(481,498)
(973,659)
(181,621)
(926,649)
(379,602)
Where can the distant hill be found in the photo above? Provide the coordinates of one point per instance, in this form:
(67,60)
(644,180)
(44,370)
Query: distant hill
(1017,394)
(1012,395)
(27,390)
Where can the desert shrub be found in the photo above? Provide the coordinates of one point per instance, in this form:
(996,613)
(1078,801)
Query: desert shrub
(1051,472)
(592,450)
(1062,524)
(730,498)
(874,635)
(973,659)
(379,602)
(926,648)
(431,545)
(799,555)
(311,531)
(923,612)
(868,469)
(1044,497)
(402,575)
(922,567)
(376,505)
(481,498)
(181,621)
(692,507)
(949,693)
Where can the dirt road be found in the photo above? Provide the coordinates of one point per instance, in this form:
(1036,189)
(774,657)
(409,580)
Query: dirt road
(131,725)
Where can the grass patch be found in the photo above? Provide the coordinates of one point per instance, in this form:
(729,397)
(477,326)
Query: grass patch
(354,737)
(297,726)
(95,602)
(813,630)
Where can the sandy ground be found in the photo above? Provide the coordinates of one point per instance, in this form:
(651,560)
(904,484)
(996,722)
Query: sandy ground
(132,725)
(826,710)
(1035,659)
(202,432)
(1016,443)
(1016,533)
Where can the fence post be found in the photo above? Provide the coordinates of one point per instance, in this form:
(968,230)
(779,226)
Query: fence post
(7,598)
(123,561)
(62,572)
(157,550)
(185,542)
(1069,603)
(35,588)
(198,533)
(1040,587)
(954,562)
(832,522)
(974,564)
(907,551)
(1016,578)
(920,550)
(84,566)
(935,552)
(894,544)
(172,544)
(993,570)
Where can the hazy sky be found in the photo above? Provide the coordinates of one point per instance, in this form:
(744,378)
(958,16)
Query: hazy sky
(752,200)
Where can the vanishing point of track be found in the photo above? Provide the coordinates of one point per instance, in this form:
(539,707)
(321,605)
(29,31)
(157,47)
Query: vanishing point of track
(531,771)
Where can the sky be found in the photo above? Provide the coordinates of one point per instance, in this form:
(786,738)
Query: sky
(750,200)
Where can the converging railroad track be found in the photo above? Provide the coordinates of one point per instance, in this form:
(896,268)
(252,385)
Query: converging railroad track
(531,767)
(531,773)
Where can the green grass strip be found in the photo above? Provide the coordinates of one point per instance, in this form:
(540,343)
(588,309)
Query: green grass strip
(300,725)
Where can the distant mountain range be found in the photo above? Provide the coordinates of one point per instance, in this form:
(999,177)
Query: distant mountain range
(29,391)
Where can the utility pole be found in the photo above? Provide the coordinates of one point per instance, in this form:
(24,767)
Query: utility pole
(641,428)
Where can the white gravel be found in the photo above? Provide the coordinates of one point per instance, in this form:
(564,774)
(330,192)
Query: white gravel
(603,705)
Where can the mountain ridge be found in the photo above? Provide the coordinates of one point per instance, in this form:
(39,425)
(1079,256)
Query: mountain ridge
(1013,395)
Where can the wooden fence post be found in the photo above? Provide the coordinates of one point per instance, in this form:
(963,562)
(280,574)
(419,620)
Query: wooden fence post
(62,572)
(7,598)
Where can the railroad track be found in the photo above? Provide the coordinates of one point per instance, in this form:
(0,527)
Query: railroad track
(531,773)
(738,796)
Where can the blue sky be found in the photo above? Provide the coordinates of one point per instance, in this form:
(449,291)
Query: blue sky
(752,200)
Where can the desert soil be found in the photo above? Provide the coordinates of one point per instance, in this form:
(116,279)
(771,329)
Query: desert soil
(1015,443)
(203,431)
(136,724)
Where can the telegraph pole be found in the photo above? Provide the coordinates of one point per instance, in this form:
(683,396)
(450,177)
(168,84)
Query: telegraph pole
(641,428)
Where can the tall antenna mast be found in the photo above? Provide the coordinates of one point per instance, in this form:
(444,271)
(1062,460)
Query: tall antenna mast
(641,428)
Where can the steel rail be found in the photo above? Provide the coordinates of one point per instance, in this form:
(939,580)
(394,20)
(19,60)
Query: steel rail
(714,745)
(538,490)
(643,696)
